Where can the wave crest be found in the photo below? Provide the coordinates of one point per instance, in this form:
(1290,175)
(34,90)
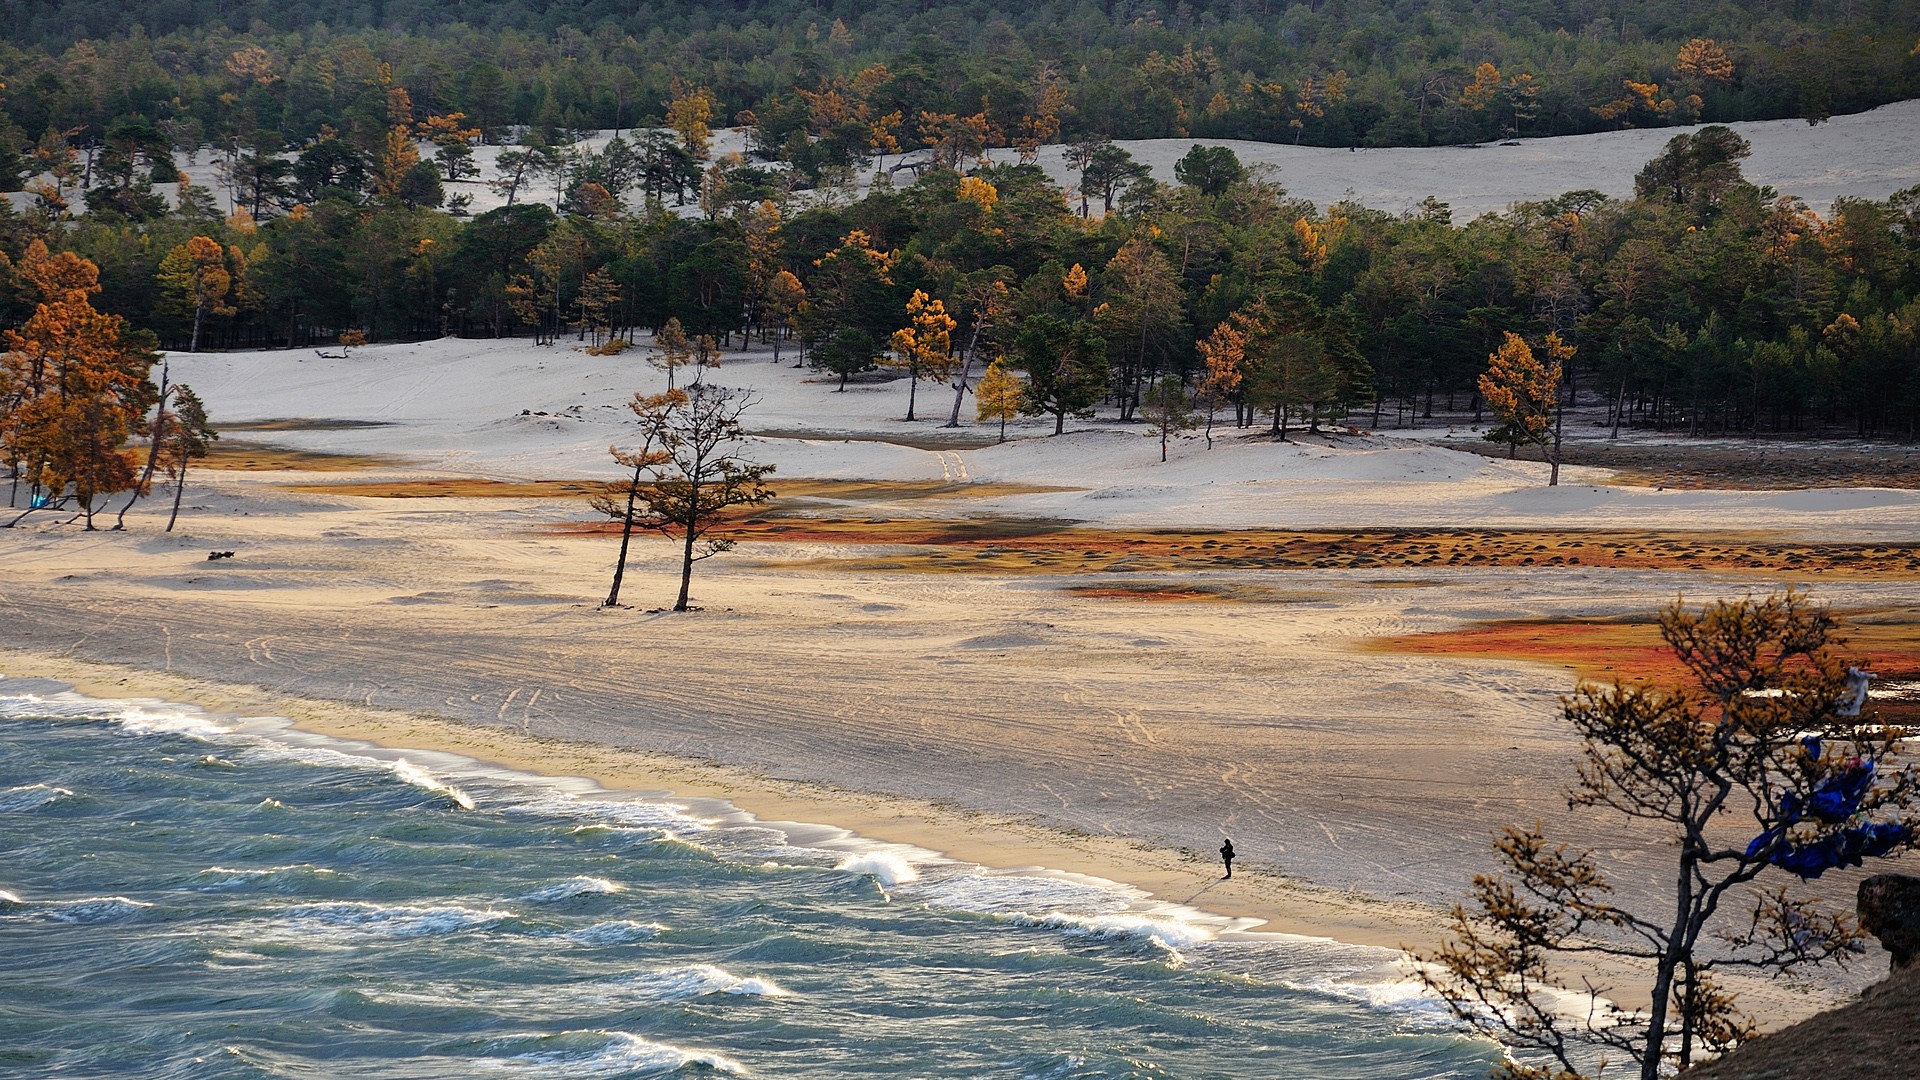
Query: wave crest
(1169,935)
(31,797)
(602,1053)
(394,920)
(617,932)
(698,980)
(888,869)
(426,781)
(572,887)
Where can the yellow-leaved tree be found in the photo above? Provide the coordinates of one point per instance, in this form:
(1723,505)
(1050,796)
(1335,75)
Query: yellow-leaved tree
(1225,354)
(924,347)
(1523,390)
(688,112)
(197,278)
(784,296)
(997,397)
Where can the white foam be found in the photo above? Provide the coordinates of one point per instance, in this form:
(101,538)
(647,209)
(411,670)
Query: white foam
(1395,994)
(572,887)
(670,838)
(603,1053)
(426,781)
(1168,934)
(617,932)
(607,813)
(393,920)
(8,896)
(31,797)
(886,868)
(1009,894)
(230,877)
(95,909)
(695,981)
(138,717)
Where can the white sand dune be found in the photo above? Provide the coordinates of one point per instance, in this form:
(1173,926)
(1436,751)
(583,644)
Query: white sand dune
(508,409)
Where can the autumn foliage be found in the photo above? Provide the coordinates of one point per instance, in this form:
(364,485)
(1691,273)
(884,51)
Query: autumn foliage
(73,387)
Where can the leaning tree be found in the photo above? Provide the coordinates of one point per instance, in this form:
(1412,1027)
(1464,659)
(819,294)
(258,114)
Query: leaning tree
(1760,768)
(687,471)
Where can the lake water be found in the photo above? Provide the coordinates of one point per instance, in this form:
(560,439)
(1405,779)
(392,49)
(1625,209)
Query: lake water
(183,895)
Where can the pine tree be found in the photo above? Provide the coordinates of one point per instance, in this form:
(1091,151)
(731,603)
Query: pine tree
(1142,318)
(1753,744)
(1066,365)
(184,440)
(1168,410)
(73,383)
(686,474)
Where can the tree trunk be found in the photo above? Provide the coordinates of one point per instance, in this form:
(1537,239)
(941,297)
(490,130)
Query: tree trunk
(179,488)
(1060,421)
(153,450)
(199,313)
(1553,475)
(913,389)
(626,537)
(686,563)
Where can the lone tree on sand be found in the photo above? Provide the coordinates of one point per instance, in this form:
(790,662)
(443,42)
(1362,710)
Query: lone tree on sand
(1761,765)
(1524,392)
(685,474)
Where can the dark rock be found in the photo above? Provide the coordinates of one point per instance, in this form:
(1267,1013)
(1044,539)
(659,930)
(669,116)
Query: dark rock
(1889,907)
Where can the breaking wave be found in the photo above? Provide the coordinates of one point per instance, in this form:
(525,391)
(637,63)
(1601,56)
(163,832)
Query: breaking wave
(600,1053)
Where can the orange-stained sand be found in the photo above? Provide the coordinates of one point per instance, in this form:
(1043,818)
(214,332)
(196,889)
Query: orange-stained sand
(1011,547)
(243,456)
(1602,650)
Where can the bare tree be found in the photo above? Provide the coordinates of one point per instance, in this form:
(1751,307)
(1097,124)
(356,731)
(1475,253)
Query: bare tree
(1762,765)
(685,475)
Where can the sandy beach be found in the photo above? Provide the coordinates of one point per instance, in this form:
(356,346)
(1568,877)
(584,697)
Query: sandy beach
(1008,654)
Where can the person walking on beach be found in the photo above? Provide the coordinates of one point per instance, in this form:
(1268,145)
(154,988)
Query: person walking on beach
(1226,856)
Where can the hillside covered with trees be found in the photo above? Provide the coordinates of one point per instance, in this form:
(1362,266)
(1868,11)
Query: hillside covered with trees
(1337,73)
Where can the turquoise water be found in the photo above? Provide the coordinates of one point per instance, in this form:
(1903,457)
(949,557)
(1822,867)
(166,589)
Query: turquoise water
(183,896)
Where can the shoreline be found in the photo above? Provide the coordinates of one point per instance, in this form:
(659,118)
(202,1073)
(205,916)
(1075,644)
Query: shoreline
(1254,901)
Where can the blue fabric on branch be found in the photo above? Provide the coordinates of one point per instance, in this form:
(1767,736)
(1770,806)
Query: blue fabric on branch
(1836,799)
